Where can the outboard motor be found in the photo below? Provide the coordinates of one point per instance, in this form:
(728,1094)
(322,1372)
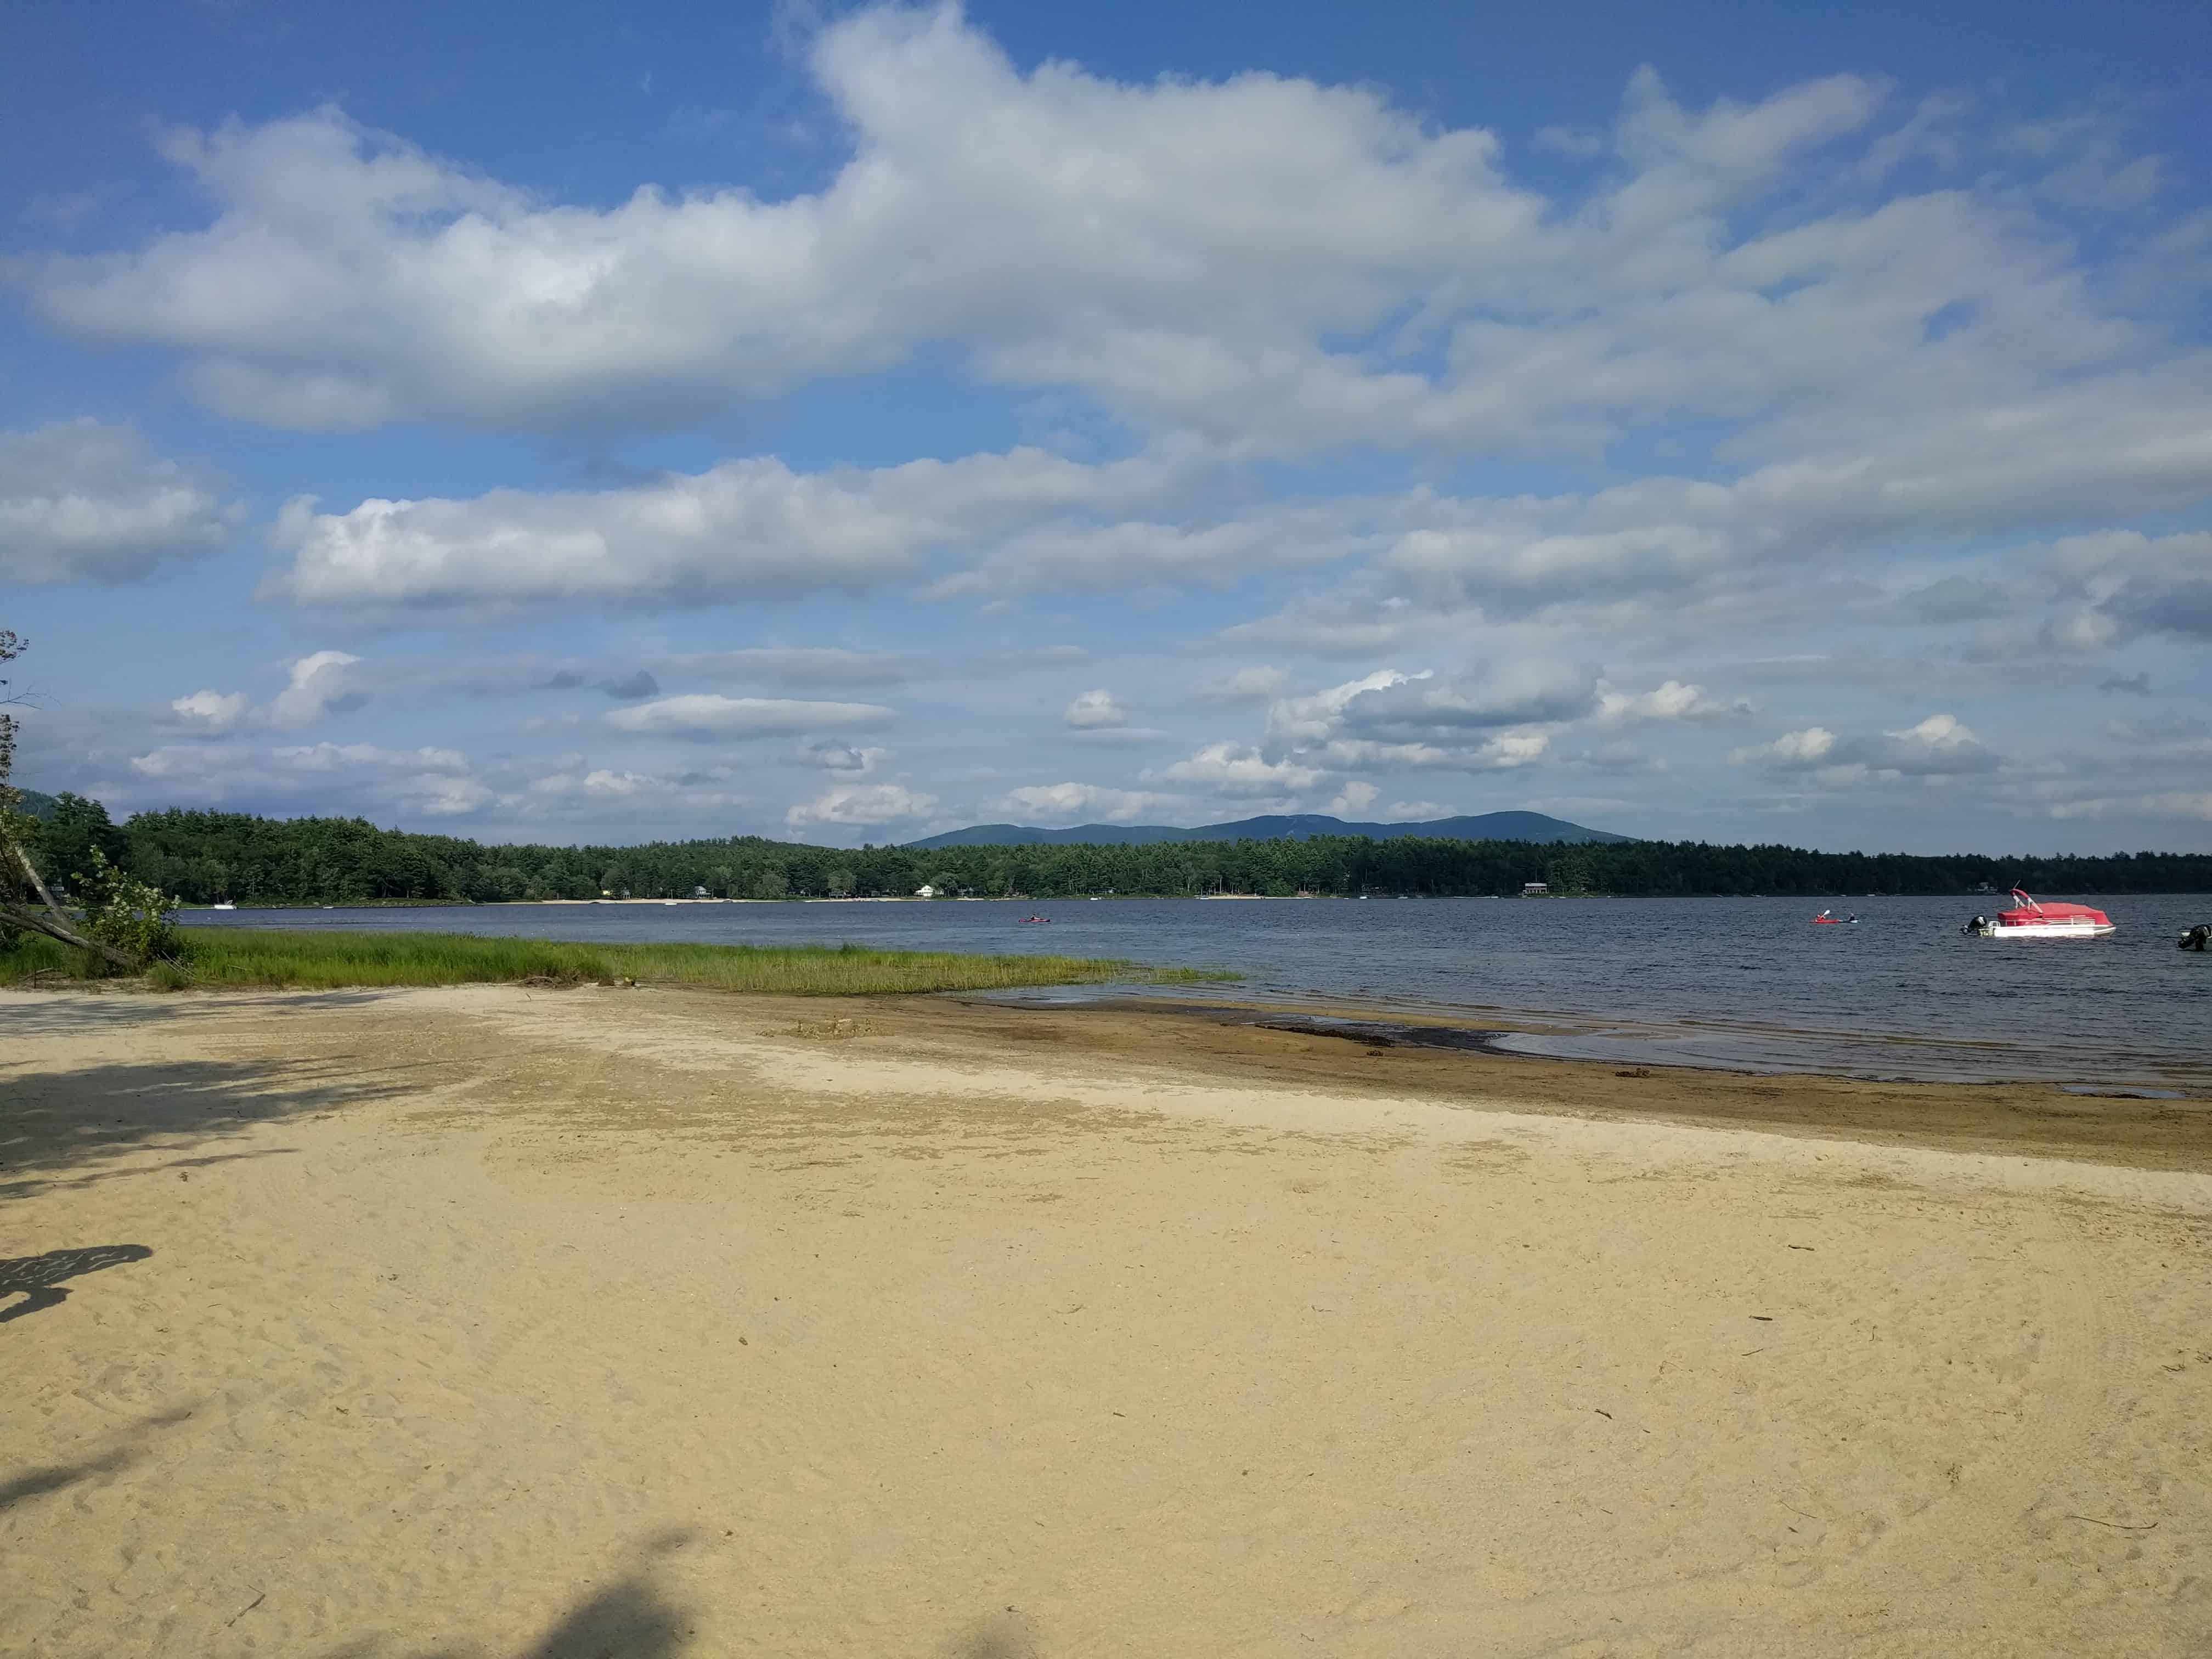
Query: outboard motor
(1978,925)
(2198,938)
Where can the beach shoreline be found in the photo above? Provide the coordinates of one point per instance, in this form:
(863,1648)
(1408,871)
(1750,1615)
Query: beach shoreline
(503,1321)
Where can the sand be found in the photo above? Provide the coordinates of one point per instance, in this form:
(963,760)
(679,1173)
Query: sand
(487,1322)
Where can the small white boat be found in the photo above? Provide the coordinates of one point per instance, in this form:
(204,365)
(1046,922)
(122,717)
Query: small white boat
(2030,919)
(222,904)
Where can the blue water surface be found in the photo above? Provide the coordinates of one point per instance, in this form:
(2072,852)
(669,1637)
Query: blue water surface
(1743,983)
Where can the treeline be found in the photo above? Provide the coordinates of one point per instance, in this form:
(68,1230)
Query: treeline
(201,857)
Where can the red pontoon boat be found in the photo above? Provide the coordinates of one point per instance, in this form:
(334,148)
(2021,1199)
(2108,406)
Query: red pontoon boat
(2031,920)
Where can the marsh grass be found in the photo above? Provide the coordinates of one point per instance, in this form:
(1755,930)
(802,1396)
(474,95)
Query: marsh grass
(242,957)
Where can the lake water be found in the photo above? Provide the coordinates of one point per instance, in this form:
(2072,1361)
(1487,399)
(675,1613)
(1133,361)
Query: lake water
(1739,983)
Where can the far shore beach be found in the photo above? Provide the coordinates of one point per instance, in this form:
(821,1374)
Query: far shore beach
(508,1322)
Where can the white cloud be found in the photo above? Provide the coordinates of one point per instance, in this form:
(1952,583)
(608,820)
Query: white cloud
(432,782)
(1269,261)
(1312,718)
(1792,749)
(1937,734)
(861,804)
(1092,710)
(2186,804)
(1938,747)
(833,756)
(1931,363)
(1499,752)
(709,716)
(746,529)
(321,683)
(83,501)
(600,783)
(216,710)
(1231,768)
(1672,700)
(1450,710)
(1065,803)
(1354,799)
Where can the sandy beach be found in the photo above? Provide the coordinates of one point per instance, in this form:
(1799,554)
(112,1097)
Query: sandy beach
(489,1322)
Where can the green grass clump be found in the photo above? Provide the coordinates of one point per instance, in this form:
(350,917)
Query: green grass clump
(243,957)
(31,956)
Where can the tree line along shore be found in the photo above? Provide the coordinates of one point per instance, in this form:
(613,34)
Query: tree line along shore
(202,857)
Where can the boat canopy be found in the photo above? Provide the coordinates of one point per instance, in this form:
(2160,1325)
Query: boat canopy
(2030,909)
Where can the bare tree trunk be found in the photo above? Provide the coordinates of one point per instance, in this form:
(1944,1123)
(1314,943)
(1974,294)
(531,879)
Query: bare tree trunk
(54,924)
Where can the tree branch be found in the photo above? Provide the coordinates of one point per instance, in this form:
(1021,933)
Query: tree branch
(55,924)
(22,916)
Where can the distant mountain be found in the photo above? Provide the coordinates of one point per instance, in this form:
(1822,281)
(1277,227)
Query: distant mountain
(1483,826)
(38,806)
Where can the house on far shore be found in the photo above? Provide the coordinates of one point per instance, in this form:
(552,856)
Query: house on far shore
(925,891)
(1535,889)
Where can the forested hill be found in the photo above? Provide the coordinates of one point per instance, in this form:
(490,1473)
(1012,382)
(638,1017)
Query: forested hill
(1487,826)
(204,856)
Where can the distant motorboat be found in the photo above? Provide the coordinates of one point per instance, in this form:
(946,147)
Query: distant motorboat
(222,904)
(2030,919)
(1829,918)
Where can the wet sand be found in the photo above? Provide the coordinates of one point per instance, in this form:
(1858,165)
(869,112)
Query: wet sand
(490,1321)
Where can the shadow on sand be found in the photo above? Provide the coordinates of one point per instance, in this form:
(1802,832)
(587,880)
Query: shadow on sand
(63,1128)
(38,1278)
(38,1482)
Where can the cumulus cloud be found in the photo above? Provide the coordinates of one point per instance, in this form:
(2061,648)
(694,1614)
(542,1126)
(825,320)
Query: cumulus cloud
(861,804)
(431,781)
(1093,710)
(2188,805)
(1808,747)
(323,683)
(1939,747)
(600,783)
(1500,752)
(746,529)
(1067,803)
(218,711)
(1231,769)
(1060,229)
(709,717)
(1878,367)
(1315,716)
(348,277)
(84,500)
(1355,798)
(833,756)
(1429,709)
(1672,700)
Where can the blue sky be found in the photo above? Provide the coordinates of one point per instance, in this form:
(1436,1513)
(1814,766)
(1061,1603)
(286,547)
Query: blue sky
(845,423)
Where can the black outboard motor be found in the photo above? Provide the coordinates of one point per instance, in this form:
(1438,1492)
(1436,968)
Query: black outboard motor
(1978,925)
(2198,938)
